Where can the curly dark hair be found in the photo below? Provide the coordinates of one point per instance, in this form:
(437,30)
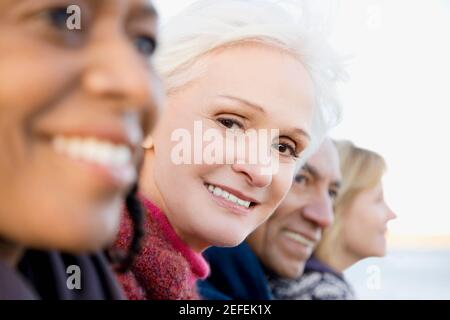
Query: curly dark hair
(123,261)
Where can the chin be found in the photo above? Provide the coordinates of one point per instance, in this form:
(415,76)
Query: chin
(286,272)
(296,272)
(89,240)
(380,249)
(380,253)
(226,240)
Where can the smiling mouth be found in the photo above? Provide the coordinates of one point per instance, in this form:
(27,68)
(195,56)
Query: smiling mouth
(297,237)
(116,160)
(230,197)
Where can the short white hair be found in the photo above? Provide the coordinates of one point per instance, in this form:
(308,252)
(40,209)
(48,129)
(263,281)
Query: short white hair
(207,25)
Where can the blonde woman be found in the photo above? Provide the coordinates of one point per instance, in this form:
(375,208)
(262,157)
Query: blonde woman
(358,231)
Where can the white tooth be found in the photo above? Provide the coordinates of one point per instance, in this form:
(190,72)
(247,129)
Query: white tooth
(122,156)
(74,147)
(296,237)
(217,191)
(89,149)
(97,154)
(93,150)
(105,153)
(228,196)
(233,198)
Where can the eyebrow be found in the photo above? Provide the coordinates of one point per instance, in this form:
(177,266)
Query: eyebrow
(146,10)
(311,170)
(315,173)
(336,184)
(260,109)
(252,105)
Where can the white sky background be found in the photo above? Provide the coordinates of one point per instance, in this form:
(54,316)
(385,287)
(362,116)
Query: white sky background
(397,99)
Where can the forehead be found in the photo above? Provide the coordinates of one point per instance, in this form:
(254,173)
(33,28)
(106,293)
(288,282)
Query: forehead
(326,161)
(146,5)
(264,75)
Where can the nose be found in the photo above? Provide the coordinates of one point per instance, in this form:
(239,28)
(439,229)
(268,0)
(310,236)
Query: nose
(255,174)
(256,165)
(115,70)
(319,210)
(391,214)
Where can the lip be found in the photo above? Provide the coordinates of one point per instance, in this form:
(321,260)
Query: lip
(106,176)
(305,235)
(118,178)
(234,208)
(235,192)
(295,249)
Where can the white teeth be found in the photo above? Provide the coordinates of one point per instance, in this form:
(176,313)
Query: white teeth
(93,150)
(298,238)
(233,198)
(217,191)
(228,196)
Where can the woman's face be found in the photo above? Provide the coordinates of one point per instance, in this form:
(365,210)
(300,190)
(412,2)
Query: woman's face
(243,88)
(74,104)
(365,223)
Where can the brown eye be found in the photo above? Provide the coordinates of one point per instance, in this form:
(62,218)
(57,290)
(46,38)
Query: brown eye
(230,123)
(285,149)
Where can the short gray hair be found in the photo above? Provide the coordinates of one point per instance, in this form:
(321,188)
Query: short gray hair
(207,25)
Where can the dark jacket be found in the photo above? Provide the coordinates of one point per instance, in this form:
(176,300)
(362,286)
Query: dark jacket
(13,286)
(47,273)
(236,274)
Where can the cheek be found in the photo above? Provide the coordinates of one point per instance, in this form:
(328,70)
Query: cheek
(259,244)
(362,231)
(31,76)
(372,220)
(31,83)
(281,184)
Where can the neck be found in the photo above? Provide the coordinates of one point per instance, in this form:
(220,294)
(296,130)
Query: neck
(150,190)
(337,257)
(10,252)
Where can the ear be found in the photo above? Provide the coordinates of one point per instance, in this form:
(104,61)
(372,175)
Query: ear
(148,144)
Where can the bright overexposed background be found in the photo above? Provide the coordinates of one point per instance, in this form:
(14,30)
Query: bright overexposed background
(397,103)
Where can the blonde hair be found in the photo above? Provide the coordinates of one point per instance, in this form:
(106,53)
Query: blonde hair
(361,169)
(208,25)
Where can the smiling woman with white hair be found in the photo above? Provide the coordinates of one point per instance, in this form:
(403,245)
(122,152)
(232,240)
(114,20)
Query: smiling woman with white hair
(233,66)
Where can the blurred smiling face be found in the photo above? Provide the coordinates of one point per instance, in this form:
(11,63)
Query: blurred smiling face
(286,240)
(244,87)
(74,105)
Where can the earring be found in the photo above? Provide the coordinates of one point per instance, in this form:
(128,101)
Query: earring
(148,144)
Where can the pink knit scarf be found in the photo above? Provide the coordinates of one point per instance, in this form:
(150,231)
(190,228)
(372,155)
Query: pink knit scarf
(167,268)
